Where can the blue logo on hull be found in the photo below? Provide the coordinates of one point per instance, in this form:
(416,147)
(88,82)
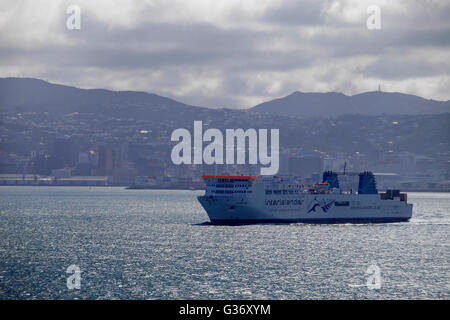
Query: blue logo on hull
(324,204)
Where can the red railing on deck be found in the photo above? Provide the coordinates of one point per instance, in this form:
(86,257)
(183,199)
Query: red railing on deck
(229,177)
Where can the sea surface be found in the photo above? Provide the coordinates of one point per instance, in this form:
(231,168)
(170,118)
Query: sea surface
(152,244)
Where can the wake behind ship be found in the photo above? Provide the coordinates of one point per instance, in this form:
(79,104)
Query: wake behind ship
(251,199)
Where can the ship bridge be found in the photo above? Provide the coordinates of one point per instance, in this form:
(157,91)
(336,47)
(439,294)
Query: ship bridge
(228,186)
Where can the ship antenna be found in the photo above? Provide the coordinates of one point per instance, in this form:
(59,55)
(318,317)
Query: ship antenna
(345,165)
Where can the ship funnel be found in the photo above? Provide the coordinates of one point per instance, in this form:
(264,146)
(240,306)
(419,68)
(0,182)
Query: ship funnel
(332,178)
(367,184)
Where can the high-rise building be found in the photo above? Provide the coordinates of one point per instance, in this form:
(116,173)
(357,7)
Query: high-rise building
(62,154)
(109,158)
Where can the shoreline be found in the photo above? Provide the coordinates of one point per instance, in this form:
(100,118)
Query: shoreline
(127,187)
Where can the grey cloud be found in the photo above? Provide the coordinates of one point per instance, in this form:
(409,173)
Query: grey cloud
(399,67)
(236,55)
(295,13)
(154,45)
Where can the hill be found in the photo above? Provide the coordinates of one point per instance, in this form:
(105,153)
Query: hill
(368,103)
(29,94)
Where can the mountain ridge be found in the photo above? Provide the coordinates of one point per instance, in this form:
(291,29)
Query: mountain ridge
(366,103)
(32,94)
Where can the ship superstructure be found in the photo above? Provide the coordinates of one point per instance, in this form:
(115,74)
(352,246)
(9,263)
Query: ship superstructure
(252,199)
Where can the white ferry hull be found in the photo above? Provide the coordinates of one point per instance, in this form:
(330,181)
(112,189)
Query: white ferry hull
(247,199)
(327,208)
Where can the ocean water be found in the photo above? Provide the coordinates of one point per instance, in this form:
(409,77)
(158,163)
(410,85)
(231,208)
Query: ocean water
(151,244)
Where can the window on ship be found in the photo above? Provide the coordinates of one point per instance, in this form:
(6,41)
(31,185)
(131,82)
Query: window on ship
(341,203)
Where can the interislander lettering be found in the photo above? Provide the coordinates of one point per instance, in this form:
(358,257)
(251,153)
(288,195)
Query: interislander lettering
(213,153)
(283,202)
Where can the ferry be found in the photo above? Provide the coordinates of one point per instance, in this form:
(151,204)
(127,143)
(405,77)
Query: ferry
(279,199)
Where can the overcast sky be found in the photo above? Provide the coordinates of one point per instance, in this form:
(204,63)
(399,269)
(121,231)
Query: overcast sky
(231,53)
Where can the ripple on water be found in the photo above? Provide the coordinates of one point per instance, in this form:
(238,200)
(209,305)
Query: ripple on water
(149,244)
